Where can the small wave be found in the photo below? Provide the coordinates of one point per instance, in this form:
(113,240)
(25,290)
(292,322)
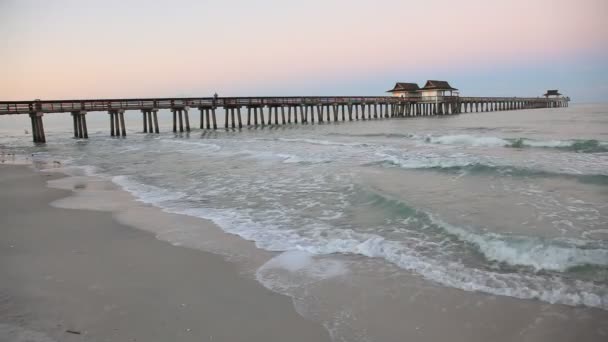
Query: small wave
(468,140)
(535,252)
(292,159)
(146,193)
(198,144)
(284,158)
(538,253)
(469,166)
(71,169)
(378,135)
(321,142)
(582,146)
(423,162)
(576,145)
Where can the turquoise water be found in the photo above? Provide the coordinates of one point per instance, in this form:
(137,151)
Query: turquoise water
(506,203)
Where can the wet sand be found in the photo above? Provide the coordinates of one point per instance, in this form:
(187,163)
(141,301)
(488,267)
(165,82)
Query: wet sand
(79,275)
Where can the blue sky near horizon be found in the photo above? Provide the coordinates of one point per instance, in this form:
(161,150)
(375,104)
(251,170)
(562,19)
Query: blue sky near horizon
(95,48)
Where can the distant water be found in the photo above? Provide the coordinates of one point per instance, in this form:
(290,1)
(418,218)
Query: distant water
(507,203)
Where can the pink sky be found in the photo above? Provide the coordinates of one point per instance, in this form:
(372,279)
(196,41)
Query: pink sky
(69,49)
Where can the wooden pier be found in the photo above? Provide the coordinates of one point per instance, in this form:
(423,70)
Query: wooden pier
(264,111)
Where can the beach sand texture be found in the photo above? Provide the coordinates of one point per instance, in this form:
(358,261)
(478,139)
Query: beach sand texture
(78,275)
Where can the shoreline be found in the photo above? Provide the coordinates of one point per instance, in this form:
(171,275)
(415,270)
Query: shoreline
(355,298)
(70,275)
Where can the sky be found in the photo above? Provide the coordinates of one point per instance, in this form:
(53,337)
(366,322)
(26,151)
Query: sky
(66,49)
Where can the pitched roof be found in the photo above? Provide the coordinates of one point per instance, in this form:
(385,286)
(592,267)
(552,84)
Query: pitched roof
(552,92)
(437,85)
(402,86)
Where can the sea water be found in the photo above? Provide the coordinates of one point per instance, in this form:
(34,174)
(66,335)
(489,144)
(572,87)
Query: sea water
(508,203)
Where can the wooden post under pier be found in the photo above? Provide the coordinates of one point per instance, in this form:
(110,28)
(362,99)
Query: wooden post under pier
(179,114)
(150,122)
(187,119)
(84,133)
(144,114)
(121,118)
(112,131)
(80,125)
(38,135)
(117,122)
(207,110)
(181,120)
(154,115)
(174,111)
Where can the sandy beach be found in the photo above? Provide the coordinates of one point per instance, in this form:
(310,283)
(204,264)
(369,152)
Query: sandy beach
(79,275)
(82,260)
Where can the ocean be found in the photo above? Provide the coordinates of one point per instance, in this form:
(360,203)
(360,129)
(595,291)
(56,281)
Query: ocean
(506,205)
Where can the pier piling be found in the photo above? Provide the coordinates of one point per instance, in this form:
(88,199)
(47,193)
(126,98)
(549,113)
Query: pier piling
(38,134)
(144,114)
(154,115)
(187,119)
(174,112)
(203,113)
(84,134)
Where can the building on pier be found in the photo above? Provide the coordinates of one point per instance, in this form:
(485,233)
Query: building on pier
(434,88)
(552,93)
(403,89)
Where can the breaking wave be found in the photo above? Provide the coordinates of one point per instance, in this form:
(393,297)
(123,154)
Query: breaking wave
(473,167)
(537,253)
(583,146)
(576,145)
(321,142)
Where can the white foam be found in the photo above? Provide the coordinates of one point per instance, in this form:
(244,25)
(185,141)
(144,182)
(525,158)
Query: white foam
(147,193)
(555,143)
(84,170)
(415,161)
(290,260)
(16,333)
(296,260)
(488,141)
(547,143)
(286,158)
(200,146)
(468,140)
(321,142)
(298,269)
